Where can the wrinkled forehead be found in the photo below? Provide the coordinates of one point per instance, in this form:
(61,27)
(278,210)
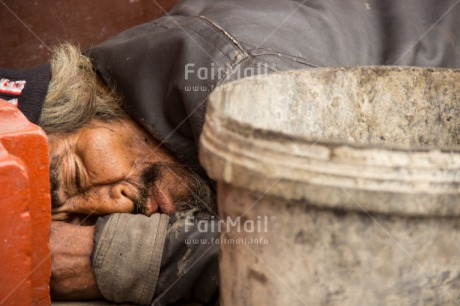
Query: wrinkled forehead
(60,154)
(60,148)
(55,184)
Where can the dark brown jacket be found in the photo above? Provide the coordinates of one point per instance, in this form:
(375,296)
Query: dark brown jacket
(151,64)
(165,69)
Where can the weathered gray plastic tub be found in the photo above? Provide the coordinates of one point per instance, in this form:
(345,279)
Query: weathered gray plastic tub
(358,173)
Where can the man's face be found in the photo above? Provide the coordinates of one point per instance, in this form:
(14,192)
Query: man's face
(116,166)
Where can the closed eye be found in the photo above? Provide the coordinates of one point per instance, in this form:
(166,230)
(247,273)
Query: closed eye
(77,177)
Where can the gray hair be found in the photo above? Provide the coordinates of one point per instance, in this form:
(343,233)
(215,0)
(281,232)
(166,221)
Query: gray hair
(76,94)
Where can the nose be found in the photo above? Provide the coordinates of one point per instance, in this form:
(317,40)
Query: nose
(121,199)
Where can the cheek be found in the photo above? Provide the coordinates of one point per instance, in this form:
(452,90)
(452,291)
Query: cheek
(106,165)
(106,169)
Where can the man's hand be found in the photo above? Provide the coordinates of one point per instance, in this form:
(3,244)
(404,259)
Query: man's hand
(72,275)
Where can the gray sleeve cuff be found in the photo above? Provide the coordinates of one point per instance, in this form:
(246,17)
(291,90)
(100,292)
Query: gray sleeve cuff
(127,255)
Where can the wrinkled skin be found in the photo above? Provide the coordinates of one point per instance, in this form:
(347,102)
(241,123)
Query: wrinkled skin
(99,169)
(96,171)
(71,271)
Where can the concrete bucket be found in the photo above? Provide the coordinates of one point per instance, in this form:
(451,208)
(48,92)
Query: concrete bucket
(338,186)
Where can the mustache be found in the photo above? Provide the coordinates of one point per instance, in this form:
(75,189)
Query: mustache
(148,177)
(200,195)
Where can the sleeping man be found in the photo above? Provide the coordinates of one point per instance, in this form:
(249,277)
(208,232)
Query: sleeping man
(102,162)
(124,120)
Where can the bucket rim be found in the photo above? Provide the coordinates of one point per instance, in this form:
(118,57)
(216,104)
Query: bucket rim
(391,179)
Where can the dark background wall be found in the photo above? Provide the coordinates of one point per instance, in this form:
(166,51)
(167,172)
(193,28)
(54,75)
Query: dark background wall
(29,29)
